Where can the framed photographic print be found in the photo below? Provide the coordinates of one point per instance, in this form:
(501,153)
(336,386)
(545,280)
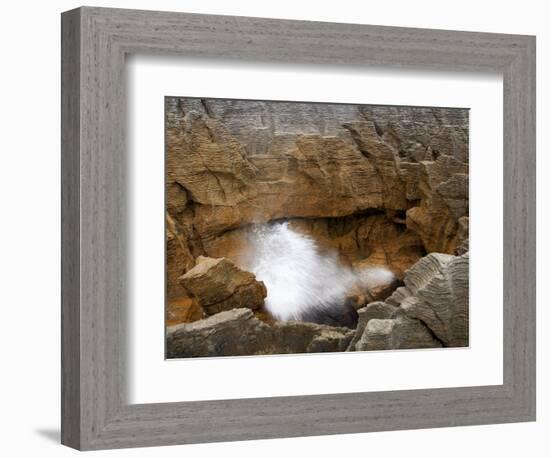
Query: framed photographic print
(280,228)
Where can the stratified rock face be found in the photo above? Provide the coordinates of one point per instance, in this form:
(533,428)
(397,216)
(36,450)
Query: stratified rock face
(375,310)
(438,285)
(218,285)
(431,310)
(399,332)
(382,184)
(238,332)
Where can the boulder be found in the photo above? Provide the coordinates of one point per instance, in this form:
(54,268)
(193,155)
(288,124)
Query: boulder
(375,310)
(238,332)
(219,285)
(230,333)
(400,332)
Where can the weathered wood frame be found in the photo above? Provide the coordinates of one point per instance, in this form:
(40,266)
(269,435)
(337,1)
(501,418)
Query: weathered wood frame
(95,413)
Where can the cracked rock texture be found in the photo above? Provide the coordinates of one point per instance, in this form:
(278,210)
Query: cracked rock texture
(400,332)
(381,185)
(438,288)
(218,285)
(431,310)
(374,310)
(238,332)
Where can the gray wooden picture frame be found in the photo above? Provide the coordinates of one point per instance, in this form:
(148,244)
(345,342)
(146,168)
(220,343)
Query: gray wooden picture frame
(95,412)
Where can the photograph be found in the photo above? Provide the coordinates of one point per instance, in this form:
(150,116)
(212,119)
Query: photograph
(304,227)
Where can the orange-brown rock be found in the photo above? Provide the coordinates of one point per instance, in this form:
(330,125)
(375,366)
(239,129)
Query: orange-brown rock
(375,239)
(179,256)
(219,285)
(183,310)
(381,184)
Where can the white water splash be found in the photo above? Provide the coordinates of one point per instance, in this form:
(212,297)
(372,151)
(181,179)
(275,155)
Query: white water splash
(373,276)
(299,279)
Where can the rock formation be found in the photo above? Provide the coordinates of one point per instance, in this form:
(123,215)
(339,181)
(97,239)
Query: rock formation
(438,288)
(386,188)
(400,332)
(238,332)
(431,310)
(219,285)
(353,175)
(374,310)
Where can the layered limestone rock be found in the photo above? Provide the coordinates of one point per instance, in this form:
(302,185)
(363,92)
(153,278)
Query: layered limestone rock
(438,287)
(238,332)
(400,332)
(431,310)
(380,185)
(444,201)
(375,310)
(219,285)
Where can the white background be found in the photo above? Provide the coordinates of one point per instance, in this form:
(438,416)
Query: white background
(29,190)
(155,380)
